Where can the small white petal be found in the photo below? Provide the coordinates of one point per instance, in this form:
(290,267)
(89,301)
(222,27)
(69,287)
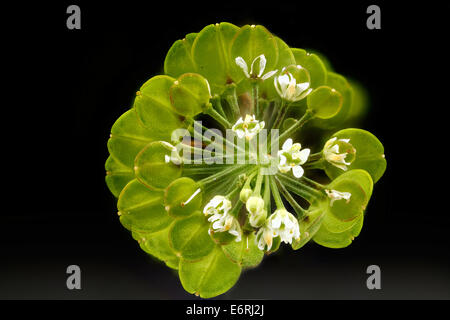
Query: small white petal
(243,65)
(303,155)
(287,145)
(297,171)
(269,74)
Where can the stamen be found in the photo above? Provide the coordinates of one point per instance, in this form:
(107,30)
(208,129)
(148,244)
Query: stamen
(191,197)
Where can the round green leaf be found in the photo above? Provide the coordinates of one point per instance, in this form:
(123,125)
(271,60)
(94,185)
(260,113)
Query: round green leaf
(151,167)
(313,64)
(117,175)
(179,58)
(251,42)
(211,276)
(141,209)
(210,53)
(310,224)
(245,252)
(359,184)
(157,245)
(181,197)
(340,84)
(189,237)
(128,137)
(369,154)
(329,239)
(154,108)
(325,102)
(190,94)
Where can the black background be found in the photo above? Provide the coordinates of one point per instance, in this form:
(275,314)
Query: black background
(67,87)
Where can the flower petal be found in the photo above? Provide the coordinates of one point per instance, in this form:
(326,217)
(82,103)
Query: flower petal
(297,171)
(243,65)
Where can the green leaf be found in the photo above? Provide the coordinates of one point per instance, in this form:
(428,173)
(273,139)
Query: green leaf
(325,102)
(369,154)
(339,83)
(213,275)
(210,53)
(128,137)
(154,108)
(157,245)
(189,237)
(178,193)
(310,224)
(359,184)
(151,167)
(245,252)
(179,58)
(329,239)
(141,209)
(313,64)
(190,94)
(249,43)
(117,175)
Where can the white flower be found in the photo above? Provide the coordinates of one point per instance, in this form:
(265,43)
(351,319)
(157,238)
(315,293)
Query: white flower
(175,157)
(285,225)
(288,88)
(264,238)
(290,157)
(262,65)
(332,155)
(225,222)
(248,128)
(337,195)
(219,205)
(255,206)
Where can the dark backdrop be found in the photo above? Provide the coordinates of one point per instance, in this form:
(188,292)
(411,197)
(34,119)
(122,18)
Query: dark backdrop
(68,87)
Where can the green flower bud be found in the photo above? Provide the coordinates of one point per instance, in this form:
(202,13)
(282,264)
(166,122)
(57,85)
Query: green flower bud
(245,194)
(255,206)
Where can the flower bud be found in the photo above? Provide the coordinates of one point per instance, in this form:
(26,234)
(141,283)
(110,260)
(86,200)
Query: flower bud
(245,194)
(255,206)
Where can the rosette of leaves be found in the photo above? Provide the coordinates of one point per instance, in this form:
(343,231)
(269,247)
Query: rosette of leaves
(210,214)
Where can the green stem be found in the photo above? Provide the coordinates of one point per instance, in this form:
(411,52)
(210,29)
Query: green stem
(297,208)
(217,104)
(201,170)
(230,195)
(249,180)
(281,114)
(258,184)
(313,183)
(276,194)
(216,116)
(267,193)
(232,100)
(236,209)
(296,126)
(255,93)
(319,164)
(215,177)
(301,189)
(226,141)
(315,156)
